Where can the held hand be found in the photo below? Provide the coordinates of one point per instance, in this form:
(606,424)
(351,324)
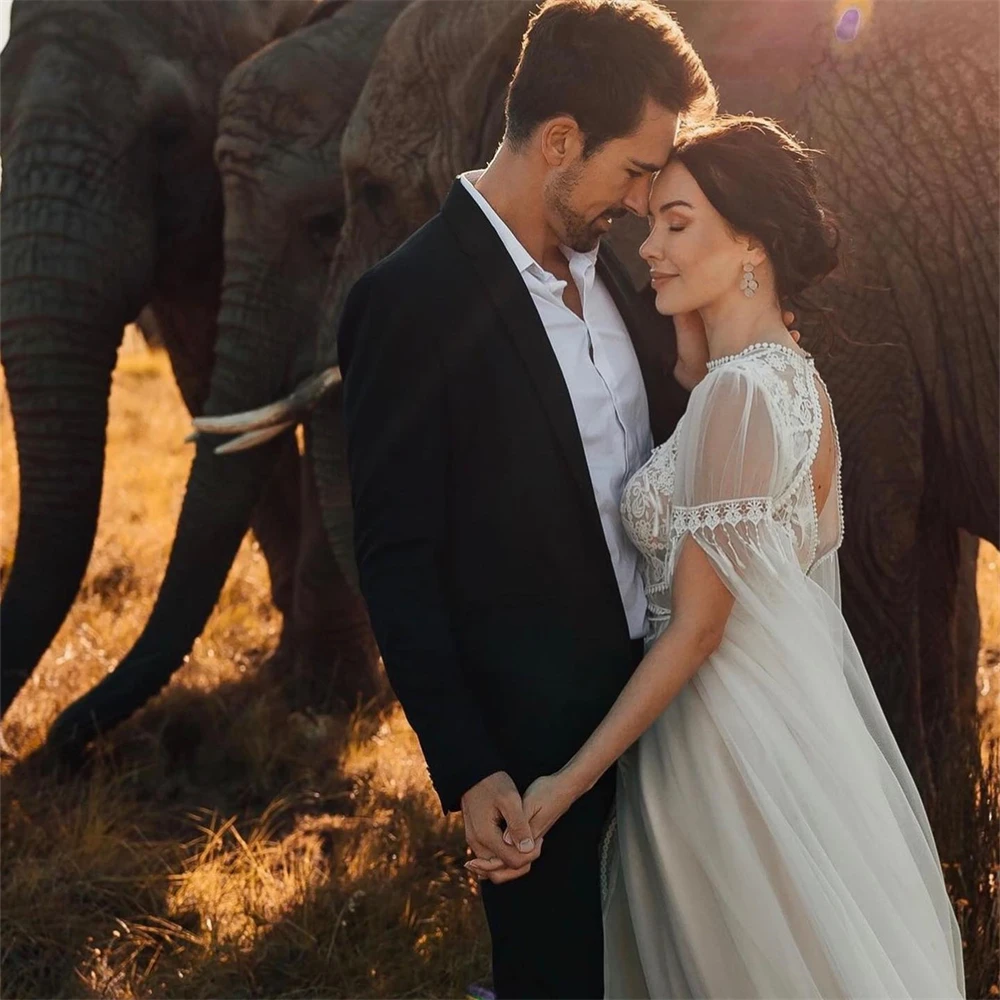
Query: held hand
(485,806)
(546,800)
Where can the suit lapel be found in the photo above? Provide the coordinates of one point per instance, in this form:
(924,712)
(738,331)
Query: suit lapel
(512,300)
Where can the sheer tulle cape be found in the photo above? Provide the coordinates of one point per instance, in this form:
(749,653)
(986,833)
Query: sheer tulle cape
(770,839)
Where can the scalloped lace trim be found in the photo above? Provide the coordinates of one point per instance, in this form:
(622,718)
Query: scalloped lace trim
(748,510)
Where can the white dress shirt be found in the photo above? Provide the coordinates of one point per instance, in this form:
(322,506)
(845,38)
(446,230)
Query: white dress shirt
(605,384)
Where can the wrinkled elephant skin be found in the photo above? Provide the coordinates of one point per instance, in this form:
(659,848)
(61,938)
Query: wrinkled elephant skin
(110,203)
(907,115)
(281,116)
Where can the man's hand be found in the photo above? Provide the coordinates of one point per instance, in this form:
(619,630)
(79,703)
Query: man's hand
(788,318)
(485,807)
(692,346)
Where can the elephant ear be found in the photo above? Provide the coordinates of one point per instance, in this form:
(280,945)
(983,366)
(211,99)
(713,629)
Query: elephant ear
(499,28)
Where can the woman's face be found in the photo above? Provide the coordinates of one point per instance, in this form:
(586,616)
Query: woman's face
(693,256)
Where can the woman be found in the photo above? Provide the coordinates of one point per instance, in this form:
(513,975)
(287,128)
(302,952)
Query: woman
(770,841)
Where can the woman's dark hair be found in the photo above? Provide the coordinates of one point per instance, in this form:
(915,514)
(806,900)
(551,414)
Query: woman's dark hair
(763,182)
(599,61)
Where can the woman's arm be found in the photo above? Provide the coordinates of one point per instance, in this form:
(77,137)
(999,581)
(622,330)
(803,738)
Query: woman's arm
(701,607)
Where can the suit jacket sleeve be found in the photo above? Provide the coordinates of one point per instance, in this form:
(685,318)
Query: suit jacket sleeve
(397,448)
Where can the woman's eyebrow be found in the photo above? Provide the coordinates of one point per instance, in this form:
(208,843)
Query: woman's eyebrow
(671,204)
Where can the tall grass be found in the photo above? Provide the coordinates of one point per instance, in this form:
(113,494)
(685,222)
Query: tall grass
(227,845)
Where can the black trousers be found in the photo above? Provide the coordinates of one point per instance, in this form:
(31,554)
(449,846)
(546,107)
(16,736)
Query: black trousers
(546,927)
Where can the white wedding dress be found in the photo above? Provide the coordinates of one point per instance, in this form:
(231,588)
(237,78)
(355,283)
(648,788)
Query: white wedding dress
(768,839)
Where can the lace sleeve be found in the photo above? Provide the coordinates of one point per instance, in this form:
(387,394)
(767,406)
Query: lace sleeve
(731,465)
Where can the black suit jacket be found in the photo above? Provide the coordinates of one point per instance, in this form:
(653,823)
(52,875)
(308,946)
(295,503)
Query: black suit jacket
(479,545)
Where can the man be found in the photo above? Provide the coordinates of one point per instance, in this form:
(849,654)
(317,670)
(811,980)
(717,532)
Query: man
(502,379)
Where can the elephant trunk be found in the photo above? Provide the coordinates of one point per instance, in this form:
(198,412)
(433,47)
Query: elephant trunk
(356,675)
(75,265)
(253,353)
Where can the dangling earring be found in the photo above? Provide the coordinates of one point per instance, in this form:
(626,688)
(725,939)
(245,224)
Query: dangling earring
(749,282)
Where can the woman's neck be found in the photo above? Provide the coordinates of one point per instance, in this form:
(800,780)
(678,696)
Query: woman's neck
(733,322)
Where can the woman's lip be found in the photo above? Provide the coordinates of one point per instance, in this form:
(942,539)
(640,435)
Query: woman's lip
(655,277)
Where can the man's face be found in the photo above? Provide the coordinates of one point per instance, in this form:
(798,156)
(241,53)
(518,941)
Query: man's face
(584,197)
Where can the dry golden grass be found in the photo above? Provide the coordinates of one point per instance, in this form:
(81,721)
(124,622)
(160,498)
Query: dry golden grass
(989,652)
(225,846)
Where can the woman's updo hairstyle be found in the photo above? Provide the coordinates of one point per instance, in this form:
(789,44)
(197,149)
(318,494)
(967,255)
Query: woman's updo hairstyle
(762,181)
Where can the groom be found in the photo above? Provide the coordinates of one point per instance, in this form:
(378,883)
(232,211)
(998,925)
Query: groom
(502,379)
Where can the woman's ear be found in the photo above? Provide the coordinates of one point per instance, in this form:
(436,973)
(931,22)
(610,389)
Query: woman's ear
(756,254)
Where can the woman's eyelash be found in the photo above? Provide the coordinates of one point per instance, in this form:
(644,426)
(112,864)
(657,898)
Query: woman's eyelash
(677,229)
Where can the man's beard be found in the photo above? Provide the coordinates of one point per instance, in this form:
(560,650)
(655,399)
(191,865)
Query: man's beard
(578,233)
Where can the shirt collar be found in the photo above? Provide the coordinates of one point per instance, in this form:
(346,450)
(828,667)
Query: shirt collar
(522,259)
(583,263)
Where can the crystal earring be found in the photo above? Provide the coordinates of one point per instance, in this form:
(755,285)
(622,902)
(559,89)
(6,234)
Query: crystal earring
(749,282)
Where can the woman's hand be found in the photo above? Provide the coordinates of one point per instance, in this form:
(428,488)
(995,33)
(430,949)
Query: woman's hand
(545,801)
(692,346)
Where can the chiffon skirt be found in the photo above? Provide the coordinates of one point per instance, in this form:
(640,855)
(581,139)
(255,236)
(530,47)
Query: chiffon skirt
(768,840)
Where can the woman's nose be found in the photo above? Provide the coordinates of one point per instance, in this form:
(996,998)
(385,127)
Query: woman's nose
(647,251)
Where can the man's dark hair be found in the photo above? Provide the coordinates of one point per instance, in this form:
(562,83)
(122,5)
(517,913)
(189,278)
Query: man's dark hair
(599,61)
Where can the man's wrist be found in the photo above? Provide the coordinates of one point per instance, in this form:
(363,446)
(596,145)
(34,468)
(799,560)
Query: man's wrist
(457,788)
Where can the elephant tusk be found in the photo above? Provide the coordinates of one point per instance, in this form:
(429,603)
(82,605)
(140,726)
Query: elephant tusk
(287,410)
(253,438)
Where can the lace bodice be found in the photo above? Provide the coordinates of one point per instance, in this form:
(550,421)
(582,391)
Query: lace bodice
(756,464)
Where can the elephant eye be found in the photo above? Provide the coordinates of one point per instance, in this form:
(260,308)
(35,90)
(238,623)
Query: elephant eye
(324,231)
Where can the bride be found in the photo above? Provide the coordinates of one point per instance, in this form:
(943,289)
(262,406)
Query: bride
(768,839)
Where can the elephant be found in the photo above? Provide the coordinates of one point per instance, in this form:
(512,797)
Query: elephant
(281,116)
(902,100)
(111,206)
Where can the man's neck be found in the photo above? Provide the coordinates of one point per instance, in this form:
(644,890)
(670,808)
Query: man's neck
(513,188)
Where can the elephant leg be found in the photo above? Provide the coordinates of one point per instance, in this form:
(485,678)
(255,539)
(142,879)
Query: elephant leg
(879,600)
(337,660)
(949,645)
(277,525)
(949,634)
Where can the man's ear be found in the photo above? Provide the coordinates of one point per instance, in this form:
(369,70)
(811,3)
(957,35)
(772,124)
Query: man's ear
(561,140)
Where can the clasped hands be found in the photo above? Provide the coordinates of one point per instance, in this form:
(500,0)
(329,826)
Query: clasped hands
(506,832)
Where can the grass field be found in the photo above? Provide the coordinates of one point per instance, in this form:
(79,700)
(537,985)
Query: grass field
(226,846)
